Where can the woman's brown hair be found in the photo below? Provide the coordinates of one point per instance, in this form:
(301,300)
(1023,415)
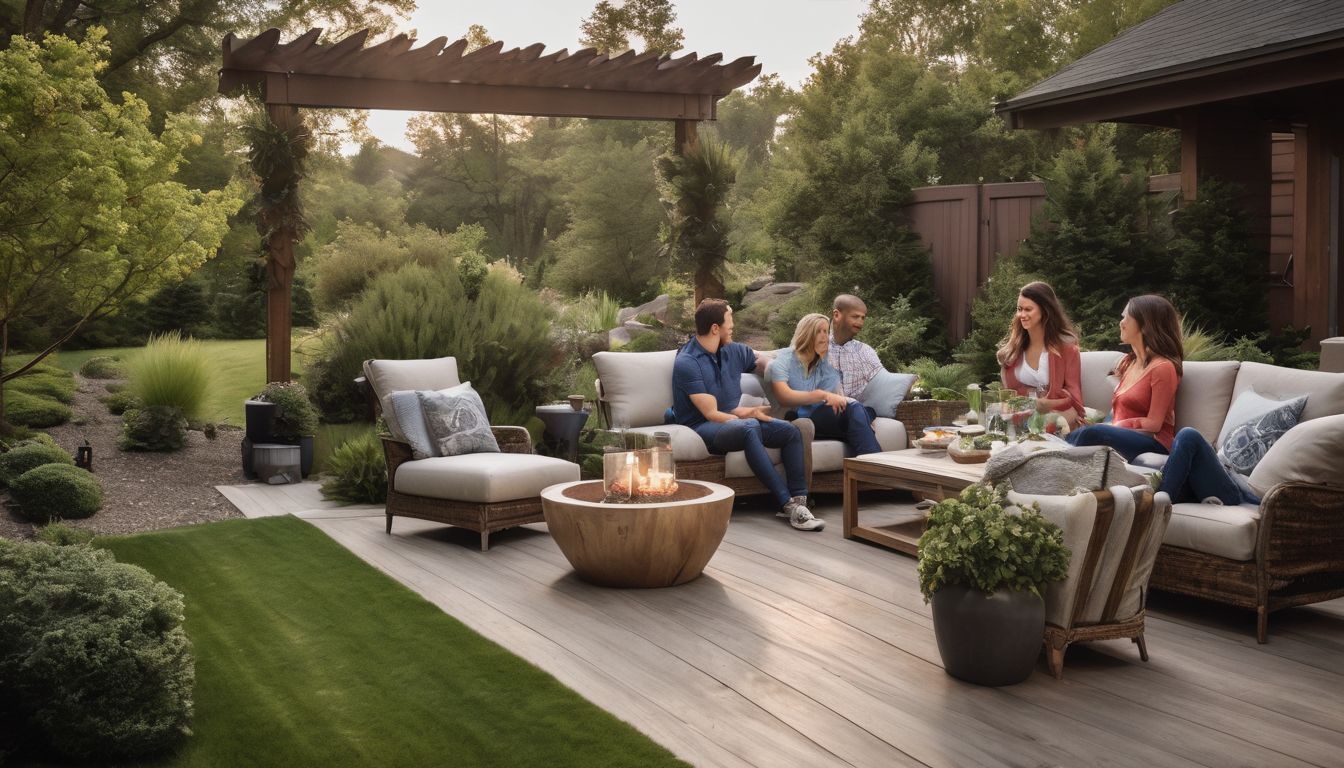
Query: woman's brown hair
(1058,328)
(1160,326)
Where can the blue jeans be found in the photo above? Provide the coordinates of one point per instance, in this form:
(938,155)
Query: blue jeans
(854,425)
(1126,442)
(752,437)
(1194,473)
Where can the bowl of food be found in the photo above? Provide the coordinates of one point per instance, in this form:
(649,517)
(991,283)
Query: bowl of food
(936,438)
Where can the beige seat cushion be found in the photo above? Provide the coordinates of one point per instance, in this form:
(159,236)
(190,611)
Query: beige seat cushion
(1215,530)
(1204,395)
(483,477)
(735,463)
(1324,391)
(686,444)
(1311,452)
(1097,389)
(637,386)
(890,434)
(388,376)
(828,456)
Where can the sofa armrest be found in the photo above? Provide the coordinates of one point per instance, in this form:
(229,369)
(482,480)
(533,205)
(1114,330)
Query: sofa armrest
(513,439)
(395,452)
(1301,530)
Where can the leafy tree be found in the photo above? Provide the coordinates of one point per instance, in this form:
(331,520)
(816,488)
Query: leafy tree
(695,189)
(1217,276)
(1096,245)
(87,201)
(610,27)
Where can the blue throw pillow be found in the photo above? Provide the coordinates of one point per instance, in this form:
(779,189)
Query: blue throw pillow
(1253,424)
(886,391)
(411,420)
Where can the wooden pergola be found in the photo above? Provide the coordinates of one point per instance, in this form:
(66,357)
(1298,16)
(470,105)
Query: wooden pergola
(445,77)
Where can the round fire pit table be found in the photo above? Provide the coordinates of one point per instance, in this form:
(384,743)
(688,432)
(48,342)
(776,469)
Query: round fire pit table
(654,544)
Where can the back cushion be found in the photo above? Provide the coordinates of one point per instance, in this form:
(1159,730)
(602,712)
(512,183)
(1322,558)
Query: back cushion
(388,376)
(637,386)
(1307,453)
(1324,391)
(1204,395)
(1097,389)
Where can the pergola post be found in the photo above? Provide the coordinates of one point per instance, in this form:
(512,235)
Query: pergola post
(279,272)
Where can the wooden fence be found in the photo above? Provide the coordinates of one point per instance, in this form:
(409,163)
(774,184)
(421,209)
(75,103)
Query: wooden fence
(968,226)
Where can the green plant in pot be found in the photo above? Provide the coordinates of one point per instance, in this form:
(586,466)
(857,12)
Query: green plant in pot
(295,418)
(985,565)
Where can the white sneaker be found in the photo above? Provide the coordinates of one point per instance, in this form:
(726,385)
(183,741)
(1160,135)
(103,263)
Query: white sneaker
(800,517)
(786,510)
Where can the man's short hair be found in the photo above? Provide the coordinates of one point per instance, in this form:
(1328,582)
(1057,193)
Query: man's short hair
(711,312)
(848,302)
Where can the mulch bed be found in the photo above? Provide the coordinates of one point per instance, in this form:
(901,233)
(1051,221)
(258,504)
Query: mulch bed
(142,491)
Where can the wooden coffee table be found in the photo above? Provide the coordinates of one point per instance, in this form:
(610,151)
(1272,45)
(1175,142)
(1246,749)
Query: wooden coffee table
(933,475)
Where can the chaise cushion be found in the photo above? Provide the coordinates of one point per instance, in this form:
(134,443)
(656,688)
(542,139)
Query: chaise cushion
(388,376)
(636,386)
(1097,387)
(1204,395)
(1215,529)
(1308,453)
(483,478)
(1324,391)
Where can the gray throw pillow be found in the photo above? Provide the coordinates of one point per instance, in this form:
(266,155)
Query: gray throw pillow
(409,420)
(1256,422)
(457,422)
(886,391)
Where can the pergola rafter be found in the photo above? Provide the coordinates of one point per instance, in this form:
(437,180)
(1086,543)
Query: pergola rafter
(444,77)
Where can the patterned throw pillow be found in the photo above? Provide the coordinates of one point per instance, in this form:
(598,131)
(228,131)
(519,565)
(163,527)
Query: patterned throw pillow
(1253,424)
(457,422)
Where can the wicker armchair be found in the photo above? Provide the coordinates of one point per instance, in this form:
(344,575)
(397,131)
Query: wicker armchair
(479,492)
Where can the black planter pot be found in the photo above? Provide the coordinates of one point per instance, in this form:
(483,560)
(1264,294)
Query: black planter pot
(259,419)
(305,455)
(988,640)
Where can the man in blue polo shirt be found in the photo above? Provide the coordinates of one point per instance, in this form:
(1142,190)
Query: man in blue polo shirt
(706,390)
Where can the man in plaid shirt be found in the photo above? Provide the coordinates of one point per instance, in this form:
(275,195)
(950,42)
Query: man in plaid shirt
(857,362)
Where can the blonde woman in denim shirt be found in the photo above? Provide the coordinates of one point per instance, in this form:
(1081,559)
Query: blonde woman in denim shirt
(801,379)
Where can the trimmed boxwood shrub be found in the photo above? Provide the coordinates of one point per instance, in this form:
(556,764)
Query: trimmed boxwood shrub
(120,402)
(58,385)
(28,410)
(29,455)
(102,367)
(60,534)
(153,428)
(93,657)
(54,491)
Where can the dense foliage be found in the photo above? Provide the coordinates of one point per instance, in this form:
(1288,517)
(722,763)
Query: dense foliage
(56,491)
(973,540)
(153,428)
(1212,241)
(357,471)
(93,658)
(295,417)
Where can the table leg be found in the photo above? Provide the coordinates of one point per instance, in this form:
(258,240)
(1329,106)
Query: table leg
(851,513)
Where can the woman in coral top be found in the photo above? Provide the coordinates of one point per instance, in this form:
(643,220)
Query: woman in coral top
(1143,409)
(1040,354)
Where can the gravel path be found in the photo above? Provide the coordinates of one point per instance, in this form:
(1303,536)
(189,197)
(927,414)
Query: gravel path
(143,491)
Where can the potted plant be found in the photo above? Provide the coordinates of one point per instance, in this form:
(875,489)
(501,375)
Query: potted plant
(295,419)
(984,568)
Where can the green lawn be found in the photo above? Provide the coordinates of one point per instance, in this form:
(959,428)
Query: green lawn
(305,655)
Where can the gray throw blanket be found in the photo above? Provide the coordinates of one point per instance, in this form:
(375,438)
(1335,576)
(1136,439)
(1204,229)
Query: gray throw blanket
(1060,472)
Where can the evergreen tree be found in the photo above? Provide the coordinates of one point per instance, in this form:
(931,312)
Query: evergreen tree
(991,312)
(1218,279)
(1095,245)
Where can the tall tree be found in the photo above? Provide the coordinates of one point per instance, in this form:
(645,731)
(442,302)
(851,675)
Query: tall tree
(610,26)
(695,185)
(88,204)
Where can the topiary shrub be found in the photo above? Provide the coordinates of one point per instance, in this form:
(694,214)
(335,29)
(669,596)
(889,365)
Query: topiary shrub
(56,491)
(27,455)
(120,402)
(358,471)
(60,534)
(27,410)
(153,428)
(296,416)
(102,367)
(93,656)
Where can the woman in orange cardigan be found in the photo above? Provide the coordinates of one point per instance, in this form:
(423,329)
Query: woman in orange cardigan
(1040,354)
(1143,409)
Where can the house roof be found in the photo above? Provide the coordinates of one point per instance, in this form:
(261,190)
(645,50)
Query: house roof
(443,76)
(1189,40)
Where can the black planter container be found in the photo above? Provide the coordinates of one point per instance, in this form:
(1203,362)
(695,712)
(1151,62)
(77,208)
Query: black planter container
(988,640)
(259,418)
(305,455)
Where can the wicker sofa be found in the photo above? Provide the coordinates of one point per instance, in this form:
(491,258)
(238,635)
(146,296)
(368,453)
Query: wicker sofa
(1289,550)
(634,390)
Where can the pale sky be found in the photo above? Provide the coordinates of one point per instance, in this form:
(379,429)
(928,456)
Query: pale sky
(781,34)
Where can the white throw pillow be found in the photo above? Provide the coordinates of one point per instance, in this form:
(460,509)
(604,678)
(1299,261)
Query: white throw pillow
(886,391)
(1254,423)
(1308,453)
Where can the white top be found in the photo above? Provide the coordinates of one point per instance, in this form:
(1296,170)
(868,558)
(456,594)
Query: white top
(1037,378)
